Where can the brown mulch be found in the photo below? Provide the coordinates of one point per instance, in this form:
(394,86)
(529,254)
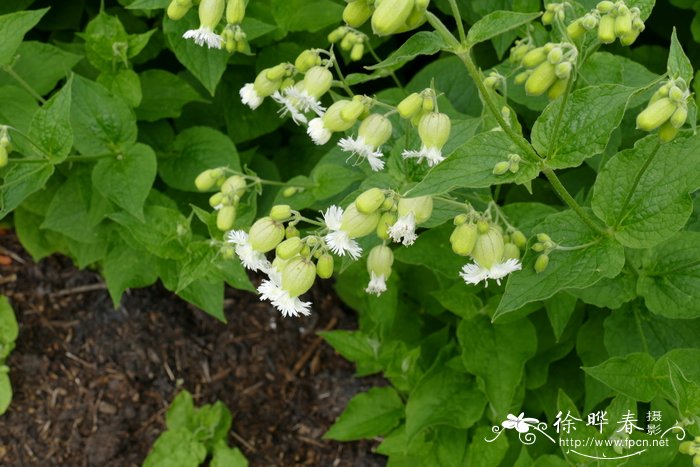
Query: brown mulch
(92,383)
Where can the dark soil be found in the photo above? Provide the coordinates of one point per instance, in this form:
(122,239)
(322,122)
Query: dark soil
(92,383)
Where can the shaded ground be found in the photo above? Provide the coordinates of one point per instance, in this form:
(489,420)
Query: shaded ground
(92,383)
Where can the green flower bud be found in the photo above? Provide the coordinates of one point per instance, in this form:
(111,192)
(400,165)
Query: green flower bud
(696,460)
(337,34)
(667,132)
(538,247)
(357,51)
(629,38)
(225,217)
(520,78)
(655,114)
(563,70)
(428,104)
(298,276)
(357,224)
(463,239)
(265,234)
(317,81)
(675,94)
(687,448)
(277,72)
(511,251)
(679,116)
(623,21)
(488,248)
(375,130)
(605,6)
(280,212)
(234,185)
(356,13)
(514,167)
(264,86)
(207,179)
(491,82)
(324,266)
(422,207)
(547,17)
(390,15)
(235,11)
(370,200)
(519,239)
(4,157)
(541,263)
(216,199)
(291,232)
(385,221)
(460,219)
(352,111)
(332,119)
(557,89)
(289,191)
(177,9)
(483,226)
(289,248)
(501,167)
(589,21)
(307,60)
(606,29)
(348,41)
(380,260)
(555,55)
(543,237)
(410,106)
(518,52)
(575,29)
(434,129)
(541,79)
(210,12)
(534,57)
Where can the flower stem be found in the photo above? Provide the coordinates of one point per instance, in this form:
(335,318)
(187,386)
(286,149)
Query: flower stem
(458,18)
(343,82)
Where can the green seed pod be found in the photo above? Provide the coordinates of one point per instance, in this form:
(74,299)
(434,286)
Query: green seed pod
(234,186)
(655,114)
(4,157)
(207,179)
(541,79)
(679,116)
(422,207)
(265,234)
(541,263)
(298,276)
(324,266)
(280,212)
(235,11)
(410,106)
(356,13)
(390,15)
(370,201)
(385,221)
(380,260)
(357,224)
(501,167)
(225,217)
(606,29)
(488,248)
(463,239)
(511,251)
(557,89)
(291,232)
(534,57)
(667,132)
(519,239)
(575,29)
(289,248)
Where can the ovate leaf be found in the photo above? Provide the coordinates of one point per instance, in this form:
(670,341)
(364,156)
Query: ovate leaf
(679,65)
(630,376)
(164,94)
(13,27)
(51,129)
(21,180)
(496,23)
(421,43)
(372,413)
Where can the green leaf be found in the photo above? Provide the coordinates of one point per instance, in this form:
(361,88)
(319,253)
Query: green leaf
(496,23)
(443,396)
(207,65)
(176,448)
(590,115)
(213,424)
(609,292)
(102,123)
(679,65)
(5,389)
(642,193)
(577,268)
(18,107)
(471,166)
(679,379)
(432,249)
(41,66)
(421,43)
(225,456)
(127,180)
(51,129)
(559,309)
(483,453)
(123,83)
(148,4)
(670,279)
(357,347)
(181,414)
(13,27)
(164,95)
(305,15)
(126,268)
(21,180)
(206,295)
(9,330)
(105,42)
(497,353)
(368,414)
(71,211)
(630,376)
(197,149)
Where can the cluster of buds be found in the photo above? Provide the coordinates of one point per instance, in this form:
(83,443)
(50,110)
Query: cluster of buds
(544,246)
(349,39)
(512,165)
(615,20)
(211,13)
(397,16)
(549,67)
(340,117)
(667,109)
(691,448)
(494,254)
(433,126)
(554,11)
(5,146)
(225,201)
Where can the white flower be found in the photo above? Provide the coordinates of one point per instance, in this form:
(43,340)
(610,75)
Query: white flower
(520,423)
(318,132)
(473,273)
(337,239)
(289,107)
(377,284)
(404,229)
(250,97)
(297,103)
(204,35)
(251,259)
(358,146)
(271,289)
(432,155)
